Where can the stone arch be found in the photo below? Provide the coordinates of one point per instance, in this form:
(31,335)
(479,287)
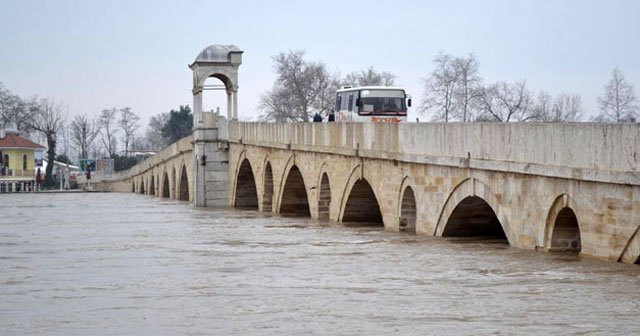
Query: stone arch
(290,162)
(152,185)
(294,200)
(183,185)
(142,186)
(356,175)
(362,205)
(472,209)
(324,197)
(352,203)
(214,95)
(166,189)
(562,229)
(246,195)
(407,207)
(267,190)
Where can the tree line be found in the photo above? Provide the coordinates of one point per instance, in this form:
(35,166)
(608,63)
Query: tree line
(110,133)
(453,91)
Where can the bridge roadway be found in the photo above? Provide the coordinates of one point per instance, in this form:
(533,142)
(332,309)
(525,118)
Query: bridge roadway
(550,187)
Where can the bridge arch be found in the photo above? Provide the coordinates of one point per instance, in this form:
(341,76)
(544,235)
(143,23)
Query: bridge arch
(359,202)
(165,187)
(324,195)
(562,229)
(183,190)
(294,200)
(152,185)
(246,195)
(473,210)
(142,186)
(407,212)
(267,190)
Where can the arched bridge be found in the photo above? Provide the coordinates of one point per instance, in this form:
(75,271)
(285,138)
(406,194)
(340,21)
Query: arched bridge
(537,186)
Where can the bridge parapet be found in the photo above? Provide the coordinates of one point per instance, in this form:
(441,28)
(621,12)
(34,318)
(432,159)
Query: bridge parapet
(583,151)
(176,149)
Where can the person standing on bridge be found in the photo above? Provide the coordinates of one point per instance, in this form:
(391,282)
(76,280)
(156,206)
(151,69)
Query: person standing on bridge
(332,116)
(317,117)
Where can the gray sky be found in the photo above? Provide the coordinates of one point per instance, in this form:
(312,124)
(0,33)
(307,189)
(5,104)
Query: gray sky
(100,54)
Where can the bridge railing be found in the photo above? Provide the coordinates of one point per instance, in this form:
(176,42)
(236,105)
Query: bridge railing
(587,151)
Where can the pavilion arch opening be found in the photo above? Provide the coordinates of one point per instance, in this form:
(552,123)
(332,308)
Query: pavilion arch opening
(267,197)
(142,187)
(408,211)
(362,205)
(133,187)
(324,198)
(215,96)
(294,196)
(184,185)
(246,193)
(165,186)
(566,232)
(474,217)
(152,186)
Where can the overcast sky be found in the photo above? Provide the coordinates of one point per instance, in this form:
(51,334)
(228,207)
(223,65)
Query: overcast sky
(100,54)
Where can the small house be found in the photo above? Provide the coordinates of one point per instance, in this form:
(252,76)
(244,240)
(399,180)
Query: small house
(17,161)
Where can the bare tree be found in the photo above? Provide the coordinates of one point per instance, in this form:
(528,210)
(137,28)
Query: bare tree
(300,89)
(140,144)
(468,90)
(129,124)
(83,133)
(440,89)
(280,105)
(563,108)
(505,102)
(48,119)
(326,99)
(567,107)
(618,103)
(154,138)
(369,77)
(14,111)
(107,130)
(542,108)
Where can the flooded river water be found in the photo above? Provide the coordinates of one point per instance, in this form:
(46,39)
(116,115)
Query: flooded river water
(124,264)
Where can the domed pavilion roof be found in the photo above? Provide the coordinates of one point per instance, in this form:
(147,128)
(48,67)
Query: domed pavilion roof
(216,53)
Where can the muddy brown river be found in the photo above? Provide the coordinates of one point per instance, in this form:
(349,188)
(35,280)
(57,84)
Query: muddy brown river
(124,264)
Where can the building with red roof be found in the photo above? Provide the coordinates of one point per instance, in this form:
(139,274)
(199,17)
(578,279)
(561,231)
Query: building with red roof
(18,157)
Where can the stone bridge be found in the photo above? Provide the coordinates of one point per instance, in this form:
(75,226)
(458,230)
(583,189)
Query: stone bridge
(549,187)
(168,174)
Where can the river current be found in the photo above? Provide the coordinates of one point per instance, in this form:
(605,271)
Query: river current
(125,264)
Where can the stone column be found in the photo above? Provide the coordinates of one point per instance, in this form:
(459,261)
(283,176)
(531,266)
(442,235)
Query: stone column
(197,105)
(229,104)
(235,104)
